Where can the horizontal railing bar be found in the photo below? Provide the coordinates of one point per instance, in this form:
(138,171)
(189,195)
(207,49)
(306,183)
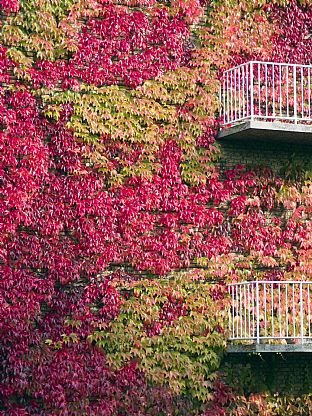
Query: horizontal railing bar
(285,118)
(282,282)
(260,337)
(256,117)
(274,117)
(266,117)
(270,117)
(236,119)
(281,63)
(238,66)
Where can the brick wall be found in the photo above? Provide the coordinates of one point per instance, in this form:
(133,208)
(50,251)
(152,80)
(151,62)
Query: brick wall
(289,373)
(276,155)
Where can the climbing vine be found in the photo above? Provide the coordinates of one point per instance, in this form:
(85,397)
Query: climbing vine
(118,233)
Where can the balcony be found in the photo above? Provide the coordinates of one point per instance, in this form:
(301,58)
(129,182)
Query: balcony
(266,100)
(270,316)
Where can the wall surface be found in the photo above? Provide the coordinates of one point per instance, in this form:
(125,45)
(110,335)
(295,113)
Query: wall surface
(282,373)
(289,373)
(279,156)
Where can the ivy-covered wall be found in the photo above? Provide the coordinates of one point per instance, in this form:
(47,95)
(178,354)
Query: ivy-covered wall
(118,232)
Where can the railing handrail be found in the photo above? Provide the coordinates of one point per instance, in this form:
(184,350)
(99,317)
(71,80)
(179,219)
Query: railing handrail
(271,281)
(268,63)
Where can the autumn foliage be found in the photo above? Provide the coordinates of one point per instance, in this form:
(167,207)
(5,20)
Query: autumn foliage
(117,231)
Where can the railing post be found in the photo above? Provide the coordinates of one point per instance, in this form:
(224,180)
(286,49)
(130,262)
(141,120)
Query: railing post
(309,312)
(230,310)
(221,99)
(295,92)
(301,313)
(251,92)
(257,312)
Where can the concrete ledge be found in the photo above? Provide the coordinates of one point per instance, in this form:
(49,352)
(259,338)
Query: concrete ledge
(268,130)
(272,348)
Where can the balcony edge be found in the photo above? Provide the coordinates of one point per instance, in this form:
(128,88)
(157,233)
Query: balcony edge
(272,130)
(269,348)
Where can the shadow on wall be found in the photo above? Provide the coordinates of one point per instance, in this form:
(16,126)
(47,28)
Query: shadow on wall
(289,160)
(289,373)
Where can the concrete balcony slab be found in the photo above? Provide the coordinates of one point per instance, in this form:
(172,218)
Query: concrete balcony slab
(252,130)
(269,348)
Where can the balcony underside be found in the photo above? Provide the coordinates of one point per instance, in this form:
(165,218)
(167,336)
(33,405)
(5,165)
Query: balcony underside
(268,130)
(271,348)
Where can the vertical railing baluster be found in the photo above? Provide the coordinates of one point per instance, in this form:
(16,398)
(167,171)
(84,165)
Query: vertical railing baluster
(279,310)
(239,92)
(247,91)
(253,309)
(223,100)
(227,97)
(229,314)
(302,94)
(231,87)
(235,94)
(287,91)
(295,92)
(280,89)
(273,86)
(249,319)
(245,313)
(257,305)
(233,313)
(272,309)
(309,91)
(241,311)
(259,90)
(286,307)
(266,88)
(220,100)
(301,312)
(265,309)
(243,86)
(251,91)
(309,311)
(237,313)
(293,310)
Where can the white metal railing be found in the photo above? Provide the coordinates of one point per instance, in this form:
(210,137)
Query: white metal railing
(270,310)
(266,91)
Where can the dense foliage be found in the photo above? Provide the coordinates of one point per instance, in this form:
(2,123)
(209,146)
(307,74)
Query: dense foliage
(118,233)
